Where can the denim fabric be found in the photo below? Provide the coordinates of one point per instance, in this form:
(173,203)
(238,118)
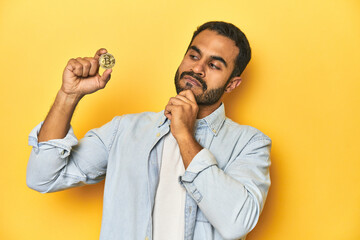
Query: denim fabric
(226,183)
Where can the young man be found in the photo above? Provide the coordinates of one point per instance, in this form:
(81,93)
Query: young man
(187,172)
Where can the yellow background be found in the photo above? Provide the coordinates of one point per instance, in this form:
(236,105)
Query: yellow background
(301,88)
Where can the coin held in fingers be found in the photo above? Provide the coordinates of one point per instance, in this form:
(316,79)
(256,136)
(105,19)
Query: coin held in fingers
(107,60)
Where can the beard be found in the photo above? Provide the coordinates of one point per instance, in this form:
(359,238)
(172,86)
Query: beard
(208,97)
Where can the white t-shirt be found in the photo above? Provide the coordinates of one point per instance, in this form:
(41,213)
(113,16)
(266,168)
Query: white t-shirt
(169,207)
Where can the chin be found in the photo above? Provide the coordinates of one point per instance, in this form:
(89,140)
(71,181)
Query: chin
(195,91)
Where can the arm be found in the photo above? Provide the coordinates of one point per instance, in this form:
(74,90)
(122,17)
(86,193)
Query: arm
(182,110)
(51,167)
(57,122)
(60,164)
(80,77)
(231,199)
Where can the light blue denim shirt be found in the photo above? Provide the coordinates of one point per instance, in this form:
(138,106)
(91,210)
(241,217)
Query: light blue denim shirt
(226,183)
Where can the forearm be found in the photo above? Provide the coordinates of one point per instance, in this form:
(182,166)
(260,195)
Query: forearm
(231,198)
(189,147)
(57,122)
(64,163)
(226,203)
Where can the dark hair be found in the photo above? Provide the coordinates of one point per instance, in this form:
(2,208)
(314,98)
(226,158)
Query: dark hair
(234,33)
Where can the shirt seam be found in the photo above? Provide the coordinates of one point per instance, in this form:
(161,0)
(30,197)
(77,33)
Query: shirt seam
(116,129)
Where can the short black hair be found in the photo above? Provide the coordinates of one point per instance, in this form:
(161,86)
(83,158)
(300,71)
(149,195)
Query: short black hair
(234,33)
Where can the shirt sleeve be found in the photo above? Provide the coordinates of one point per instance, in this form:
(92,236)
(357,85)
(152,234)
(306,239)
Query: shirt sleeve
(231,199)
(60,164)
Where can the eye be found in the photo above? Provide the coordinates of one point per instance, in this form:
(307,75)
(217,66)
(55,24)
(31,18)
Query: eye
(193,57)
(213,66)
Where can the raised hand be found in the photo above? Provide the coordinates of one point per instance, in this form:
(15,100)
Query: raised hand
(182,110)
(81,75)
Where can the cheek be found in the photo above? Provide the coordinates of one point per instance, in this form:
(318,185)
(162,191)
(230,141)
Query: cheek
(216,80)
(185,65)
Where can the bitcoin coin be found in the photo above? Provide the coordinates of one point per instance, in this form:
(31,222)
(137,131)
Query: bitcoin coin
(107,60)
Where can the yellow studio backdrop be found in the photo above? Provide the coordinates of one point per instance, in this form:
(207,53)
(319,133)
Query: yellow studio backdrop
(301,88)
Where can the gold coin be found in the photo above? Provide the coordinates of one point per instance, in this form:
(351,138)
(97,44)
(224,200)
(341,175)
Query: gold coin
(107,60)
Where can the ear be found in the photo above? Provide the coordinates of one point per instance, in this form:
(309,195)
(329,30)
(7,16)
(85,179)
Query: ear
(234,83)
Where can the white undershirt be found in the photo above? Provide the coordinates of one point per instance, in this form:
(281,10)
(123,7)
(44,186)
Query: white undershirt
(169,208)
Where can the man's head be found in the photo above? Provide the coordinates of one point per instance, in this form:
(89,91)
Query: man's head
(216,56)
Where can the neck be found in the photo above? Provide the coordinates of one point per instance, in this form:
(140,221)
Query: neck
(207,110)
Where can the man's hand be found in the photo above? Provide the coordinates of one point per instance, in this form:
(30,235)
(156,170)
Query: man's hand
(81,75)
(182,110)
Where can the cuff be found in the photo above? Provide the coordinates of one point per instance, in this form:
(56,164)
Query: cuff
(200,162)
(203,160)
(64,145)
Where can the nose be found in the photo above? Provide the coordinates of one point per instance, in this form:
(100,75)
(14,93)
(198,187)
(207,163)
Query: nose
(199,68)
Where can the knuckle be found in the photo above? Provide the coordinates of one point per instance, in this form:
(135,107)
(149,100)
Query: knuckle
(87,65)
(78,65)
(102,85)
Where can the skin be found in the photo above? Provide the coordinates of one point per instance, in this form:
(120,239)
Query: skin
(81,77)
(183,109)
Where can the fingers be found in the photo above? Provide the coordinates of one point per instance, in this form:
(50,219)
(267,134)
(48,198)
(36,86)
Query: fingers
(188,94)
(99,52)
(179,103)
(169,110)
(94,66)
(184,99)
(84,67)
(167,113)
(75,67)
(105,77)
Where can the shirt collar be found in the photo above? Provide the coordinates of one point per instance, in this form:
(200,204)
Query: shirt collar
(162,119)
(214,120)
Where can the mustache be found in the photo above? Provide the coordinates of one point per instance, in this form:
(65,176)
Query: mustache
(197,77)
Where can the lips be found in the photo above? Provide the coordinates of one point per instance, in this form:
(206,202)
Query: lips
(192,80)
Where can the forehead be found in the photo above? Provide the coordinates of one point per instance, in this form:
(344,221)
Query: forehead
(213,44)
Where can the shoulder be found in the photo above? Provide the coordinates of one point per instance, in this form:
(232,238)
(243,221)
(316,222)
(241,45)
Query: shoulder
(143,117)
(245,131)
(139,119)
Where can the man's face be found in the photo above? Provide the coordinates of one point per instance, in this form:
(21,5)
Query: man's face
(207,66)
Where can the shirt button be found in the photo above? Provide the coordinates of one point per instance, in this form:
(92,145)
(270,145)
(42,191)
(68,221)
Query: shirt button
(214,130)
(146,238)
(158,134)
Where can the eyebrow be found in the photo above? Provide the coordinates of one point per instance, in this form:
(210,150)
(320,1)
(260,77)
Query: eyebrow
(196,49)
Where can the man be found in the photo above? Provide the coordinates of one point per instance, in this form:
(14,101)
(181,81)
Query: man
(187,172)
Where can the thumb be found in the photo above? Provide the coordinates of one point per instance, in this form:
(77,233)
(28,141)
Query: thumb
(106,75)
